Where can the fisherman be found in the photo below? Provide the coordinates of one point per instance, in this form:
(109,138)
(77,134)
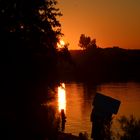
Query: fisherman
(63,119)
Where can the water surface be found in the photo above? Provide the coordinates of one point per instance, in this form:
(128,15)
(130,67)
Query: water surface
(78,98)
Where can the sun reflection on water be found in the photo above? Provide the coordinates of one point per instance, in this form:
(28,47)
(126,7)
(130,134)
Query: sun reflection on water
(62,97)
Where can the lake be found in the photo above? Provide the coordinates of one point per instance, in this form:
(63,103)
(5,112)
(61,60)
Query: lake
(76,99)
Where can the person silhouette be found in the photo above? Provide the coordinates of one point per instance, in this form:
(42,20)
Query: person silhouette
(63,119)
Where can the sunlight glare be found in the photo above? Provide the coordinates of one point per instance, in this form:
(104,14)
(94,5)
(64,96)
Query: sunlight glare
(61,44)
(62,97)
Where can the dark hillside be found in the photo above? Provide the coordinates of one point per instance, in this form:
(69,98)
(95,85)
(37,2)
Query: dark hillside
(107,64)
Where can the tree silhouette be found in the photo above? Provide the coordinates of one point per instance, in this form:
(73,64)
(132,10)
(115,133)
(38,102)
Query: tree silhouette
(130,127)
(33,22)
(29,31)
(92,44)
(86,42)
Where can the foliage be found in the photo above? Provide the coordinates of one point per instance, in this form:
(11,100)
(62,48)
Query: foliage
(31,21)
(86,42)
(29,31)
(83,136)
(107,64)
(64,53)
(65,65)
(130,128)
(108,134)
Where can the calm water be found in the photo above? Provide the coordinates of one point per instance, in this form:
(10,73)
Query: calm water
(76,99)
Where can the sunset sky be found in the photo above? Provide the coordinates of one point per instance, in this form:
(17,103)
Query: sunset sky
(111,22)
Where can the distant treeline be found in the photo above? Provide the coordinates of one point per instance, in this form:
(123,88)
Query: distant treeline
(106,64)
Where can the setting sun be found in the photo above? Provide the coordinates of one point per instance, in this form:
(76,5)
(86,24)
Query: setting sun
(61,44)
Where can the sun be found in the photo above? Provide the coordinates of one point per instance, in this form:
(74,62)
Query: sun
(61,44)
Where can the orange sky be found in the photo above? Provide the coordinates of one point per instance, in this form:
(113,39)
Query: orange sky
(111,22)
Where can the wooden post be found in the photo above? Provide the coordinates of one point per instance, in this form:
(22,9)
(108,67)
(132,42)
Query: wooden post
(103,109)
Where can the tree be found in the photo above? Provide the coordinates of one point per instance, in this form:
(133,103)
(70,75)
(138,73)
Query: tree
(33,22)
(29,31)
(93,44)
(86,42)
